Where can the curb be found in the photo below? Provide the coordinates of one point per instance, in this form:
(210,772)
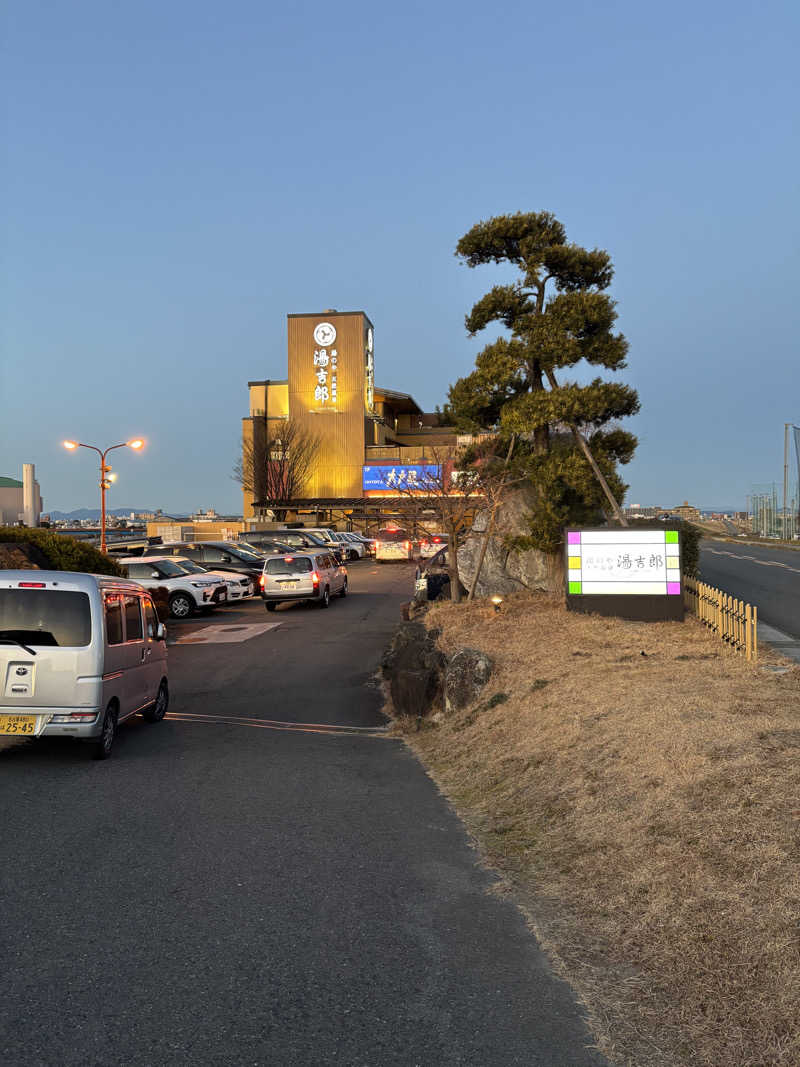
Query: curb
(783,643)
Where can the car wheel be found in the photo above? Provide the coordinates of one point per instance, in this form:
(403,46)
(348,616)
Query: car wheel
(325,599)
(353,555)
(181,605)
(157,712)
(270,605)
(101,748)
(344,590)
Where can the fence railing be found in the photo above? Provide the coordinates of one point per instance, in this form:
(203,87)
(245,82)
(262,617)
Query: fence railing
(733,621)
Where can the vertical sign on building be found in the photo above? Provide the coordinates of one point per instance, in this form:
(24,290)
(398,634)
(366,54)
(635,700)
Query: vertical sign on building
(370,371)
(326,361)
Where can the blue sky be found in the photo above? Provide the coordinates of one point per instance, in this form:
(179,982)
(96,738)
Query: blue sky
(179,176)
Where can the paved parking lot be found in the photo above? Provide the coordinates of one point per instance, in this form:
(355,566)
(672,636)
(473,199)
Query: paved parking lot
(266,877)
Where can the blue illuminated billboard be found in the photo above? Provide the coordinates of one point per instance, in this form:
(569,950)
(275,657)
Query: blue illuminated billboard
(421,476)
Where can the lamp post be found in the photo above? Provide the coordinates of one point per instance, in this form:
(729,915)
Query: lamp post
(105,481)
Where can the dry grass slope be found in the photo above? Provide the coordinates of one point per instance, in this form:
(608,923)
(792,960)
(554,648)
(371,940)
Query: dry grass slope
(639,788)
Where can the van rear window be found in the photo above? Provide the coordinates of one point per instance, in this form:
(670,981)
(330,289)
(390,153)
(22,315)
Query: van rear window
(288,565)
(48,617)
(392,534)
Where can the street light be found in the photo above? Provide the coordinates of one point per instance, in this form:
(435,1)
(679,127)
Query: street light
(106,478)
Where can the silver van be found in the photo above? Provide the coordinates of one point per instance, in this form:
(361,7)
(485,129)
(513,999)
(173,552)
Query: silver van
(302,576)
(79,653)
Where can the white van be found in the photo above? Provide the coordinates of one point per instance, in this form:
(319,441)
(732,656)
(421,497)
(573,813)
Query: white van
(79,654)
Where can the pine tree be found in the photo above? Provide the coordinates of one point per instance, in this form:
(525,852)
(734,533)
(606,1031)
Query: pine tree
(557,314)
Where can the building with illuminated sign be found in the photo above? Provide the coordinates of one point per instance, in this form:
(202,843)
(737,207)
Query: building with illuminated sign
(373,441)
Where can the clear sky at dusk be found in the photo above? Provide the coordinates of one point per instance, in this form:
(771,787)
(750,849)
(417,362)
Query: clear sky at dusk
(177,177)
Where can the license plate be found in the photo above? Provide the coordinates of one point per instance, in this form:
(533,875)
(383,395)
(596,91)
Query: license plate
(286,585)
(18,724)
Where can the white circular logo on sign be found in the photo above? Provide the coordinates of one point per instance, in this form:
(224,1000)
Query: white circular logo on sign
(325,334)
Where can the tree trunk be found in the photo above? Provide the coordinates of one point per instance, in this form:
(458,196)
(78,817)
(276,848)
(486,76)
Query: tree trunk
(452,564)
(541,434)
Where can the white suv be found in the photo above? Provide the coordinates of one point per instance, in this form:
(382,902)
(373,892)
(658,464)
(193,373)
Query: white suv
(302,576)
(187,592)
(238,586)
(354,549)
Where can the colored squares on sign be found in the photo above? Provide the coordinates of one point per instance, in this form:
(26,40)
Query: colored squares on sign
(671,537)
(574,537)
(574,587)
(673,562)
(574,563)
(673,588)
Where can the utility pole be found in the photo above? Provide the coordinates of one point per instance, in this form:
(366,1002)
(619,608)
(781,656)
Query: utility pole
(786,426)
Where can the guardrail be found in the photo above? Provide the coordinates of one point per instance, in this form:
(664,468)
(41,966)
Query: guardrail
(733,621)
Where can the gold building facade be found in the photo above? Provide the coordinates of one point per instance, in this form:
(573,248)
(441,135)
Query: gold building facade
(330,391)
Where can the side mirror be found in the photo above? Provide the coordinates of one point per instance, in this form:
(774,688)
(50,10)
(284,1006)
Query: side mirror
(161,632)
(154,574)
(225,559)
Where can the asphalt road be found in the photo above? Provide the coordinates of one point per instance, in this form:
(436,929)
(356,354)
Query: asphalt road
(766,577)
(264,878)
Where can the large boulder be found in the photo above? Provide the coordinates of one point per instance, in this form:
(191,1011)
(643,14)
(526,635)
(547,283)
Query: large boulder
(415,669)
(468,671)
(508,570)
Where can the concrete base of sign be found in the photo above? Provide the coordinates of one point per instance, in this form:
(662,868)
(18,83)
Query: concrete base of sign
(638,608)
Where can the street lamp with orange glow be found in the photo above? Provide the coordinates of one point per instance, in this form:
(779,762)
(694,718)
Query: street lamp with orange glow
(105,482)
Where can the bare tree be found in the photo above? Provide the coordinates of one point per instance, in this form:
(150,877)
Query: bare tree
(276,464)
(451,492)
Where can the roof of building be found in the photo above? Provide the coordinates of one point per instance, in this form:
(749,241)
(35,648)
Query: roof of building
(271,381)
(394,395)
(10,483)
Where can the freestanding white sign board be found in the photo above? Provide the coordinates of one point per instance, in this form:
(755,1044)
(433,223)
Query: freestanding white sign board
(608,567)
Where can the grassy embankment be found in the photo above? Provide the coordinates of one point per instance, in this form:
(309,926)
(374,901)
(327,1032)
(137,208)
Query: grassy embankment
(638,788)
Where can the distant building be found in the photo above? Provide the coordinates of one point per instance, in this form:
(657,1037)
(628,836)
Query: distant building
(687,512)
(21,501)
(636,511)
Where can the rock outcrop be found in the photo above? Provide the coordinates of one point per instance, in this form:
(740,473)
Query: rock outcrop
(415,669)
(468,671)
(508,570)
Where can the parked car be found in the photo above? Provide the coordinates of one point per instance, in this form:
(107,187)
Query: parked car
(187,592)
(354,549)
(237,586)
(327,537)
(367,542)
(79,654)
(219,555)
(393,542)
(304,576)
(433,577)
(431,544)
(301,538)
(268,544)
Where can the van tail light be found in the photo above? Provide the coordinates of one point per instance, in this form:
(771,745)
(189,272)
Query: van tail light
(377,545)
(408,546)
(262,581)
(32,585)
(315,578)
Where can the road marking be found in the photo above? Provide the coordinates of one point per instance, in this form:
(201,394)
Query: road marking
(224,635)
(752,559)
(273,724)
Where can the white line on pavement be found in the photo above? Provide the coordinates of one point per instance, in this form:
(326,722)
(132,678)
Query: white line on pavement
(752,559)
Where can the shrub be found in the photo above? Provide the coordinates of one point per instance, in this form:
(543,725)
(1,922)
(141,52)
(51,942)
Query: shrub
(62,553)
